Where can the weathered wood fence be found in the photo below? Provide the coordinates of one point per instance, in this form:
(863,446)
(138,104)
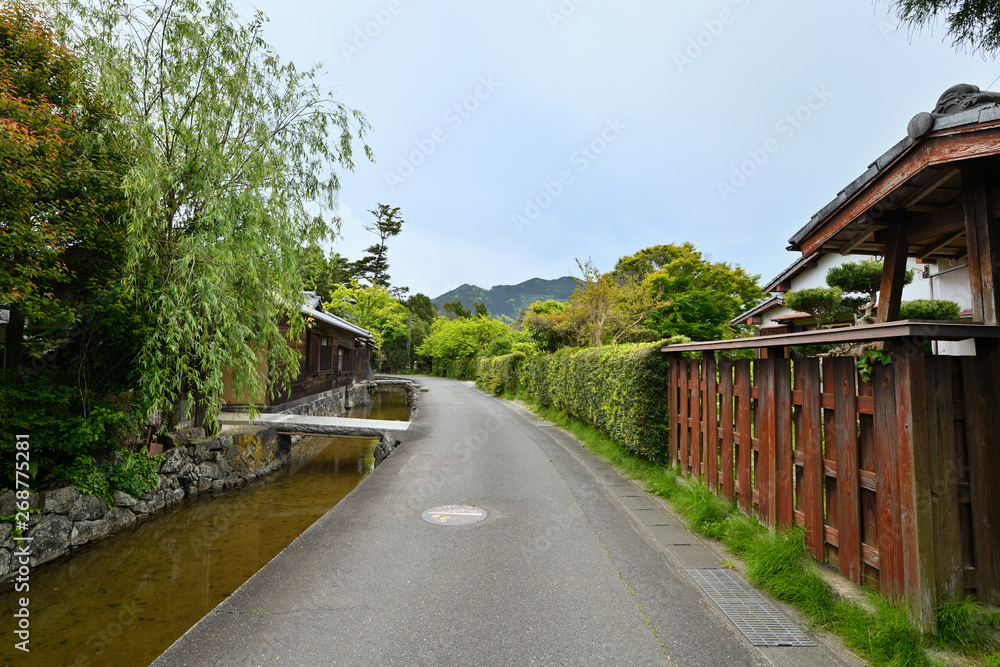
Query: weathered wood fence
(895,480)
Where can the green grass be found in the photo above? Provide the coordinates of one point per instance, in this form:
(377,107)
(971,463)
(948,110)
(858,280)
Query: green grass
(780,564)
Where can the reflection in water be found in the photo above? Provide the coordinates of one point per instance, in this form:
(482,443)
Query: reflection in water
(389,404)
(125,600)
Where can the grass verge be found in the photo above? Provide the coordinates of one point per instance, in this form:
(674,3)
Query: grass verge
(778,563)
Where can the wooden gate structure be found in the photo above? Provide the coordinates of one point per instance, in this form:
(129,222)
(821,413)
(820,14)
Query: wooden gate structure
(896,480)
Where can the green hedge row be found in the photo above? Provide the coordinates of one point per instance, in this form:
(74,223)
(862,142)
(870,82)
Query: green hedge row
(619,389)
(499,375)
(456,369)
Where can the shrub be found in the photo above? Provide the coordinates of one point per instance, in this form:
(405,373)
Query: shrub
(498,375)
(929,309)
(618,389)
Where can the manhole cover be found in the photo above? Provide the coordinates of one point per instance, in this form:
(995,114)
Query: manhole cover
(453,515)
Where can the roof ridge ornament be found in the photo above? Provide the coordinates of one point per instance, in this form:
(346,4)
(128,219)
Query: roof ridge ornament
(958,98)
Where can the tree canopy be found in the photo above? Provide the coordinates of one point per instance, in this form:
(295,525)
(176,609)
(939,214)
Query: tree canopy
(233,148)
(60,174)
(374,266)
(701,297)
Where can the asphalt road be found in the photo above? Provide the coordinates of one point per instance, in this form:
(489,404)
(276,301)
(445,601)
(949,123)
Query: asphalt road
(572,566)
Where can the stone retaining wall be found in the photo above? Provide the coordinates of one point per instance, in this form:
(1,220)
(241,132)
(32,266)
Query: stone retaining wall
(65,519)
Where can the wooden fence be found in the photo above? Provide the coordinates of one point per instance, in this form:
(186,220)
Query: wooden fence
(896,480)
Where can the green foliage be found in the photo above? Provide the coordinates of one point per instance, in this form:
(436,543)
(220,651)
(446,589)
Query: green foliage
(863,277)
(972,24)
(701,296)
(374,266)
(823,303)
(60,172)
(135,473)
(455,344)
(372,308)
(867,359)
(455,310)
(853,286)
(86,475)
(322,273)
(542,322)
(618,389)
(929,309)
(62,428)
(966,624)
(233,149)
(422,307)
(499,375)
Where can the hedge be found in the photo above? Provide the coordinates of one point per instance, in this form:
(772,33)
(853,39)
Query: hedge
(619,389)
(499,375)
(929,309)
(457,369)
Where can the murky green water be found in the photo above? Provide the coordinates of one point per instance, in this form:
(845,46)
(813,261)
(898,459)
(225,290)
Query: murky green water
(125,600)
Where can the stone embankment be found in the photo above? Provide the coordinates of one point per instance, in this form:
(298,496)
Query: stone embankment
(65,519)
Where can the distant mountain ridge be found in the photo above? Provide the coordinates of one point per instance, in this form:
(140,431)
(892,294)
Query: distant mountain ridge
(508,300)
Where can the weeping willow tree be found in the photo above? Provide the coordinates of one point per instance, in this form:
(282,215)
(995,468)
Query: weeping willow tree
(235,151)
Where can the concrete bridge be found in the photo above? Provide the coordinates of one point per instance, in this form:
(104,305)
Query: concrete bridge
(310,425)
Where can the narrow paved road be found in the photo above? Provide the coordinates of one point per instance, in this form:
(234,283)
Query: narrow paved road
(572,566)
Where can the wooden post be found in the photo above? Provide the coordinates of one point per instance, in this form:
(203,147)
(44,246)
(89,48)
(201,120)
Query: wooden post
(674,400)
(982,420)
(916,518)
(893,273)
(887,481)
(694,444)
(766,481)
(726,418)
(710,401)
(683,434)
(845,426)
(783,465)
(810,442)
(743,417)
(983,240)
(944,472)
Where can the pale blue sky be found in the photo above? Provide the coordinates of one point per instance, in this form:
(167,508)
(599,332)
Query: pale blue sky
(517,136)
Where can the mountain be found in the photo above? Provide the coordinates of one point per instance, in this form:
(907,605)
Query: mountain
(508,300)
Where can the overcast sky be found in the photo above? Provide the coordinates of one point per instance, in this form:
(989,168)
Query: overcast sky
(516,136)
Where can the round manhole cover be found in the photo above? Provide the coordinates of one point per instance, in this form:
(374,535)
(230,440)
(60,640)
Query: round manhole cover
(453,515)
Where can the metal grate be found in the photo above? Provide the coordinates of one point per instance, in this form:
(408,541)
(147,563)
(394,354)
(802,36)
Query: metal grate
(754,616)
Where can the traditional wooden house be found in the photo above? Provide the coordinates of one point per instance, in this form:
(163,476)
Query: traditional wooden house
(334,354)
(937,280)
(892,469)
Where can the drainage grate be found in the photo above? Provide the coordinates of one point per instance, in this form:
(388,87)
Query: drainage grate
(754,616)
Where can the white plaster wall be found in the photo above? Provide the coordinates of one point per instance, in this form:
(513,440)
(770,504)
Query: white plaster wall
(953,286)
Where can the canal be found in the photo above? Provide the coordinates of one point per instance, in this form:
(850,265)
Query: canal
(123,601)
